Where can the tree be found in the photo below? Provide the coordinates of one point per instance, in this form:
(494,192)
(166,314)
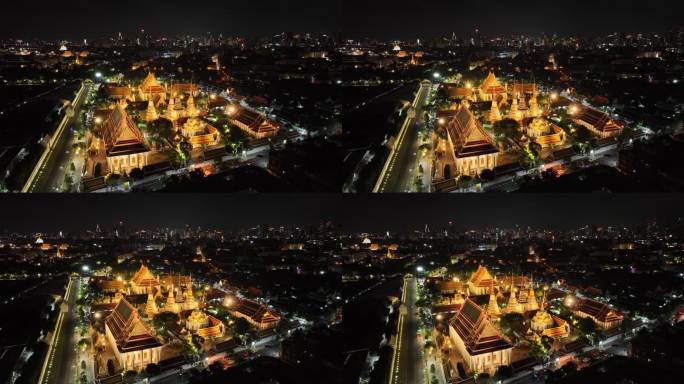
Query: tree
(129,377)
(153,369)
(83,344)
(161,131)
(242,326)
(586,325)
(508,129)
(504,372)
(137,174)
(512,323)
(487,175)
(166,321)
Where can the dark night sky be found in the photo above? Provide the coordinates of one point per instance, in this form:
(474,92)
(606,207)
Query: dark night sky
(379,18)
(349,212)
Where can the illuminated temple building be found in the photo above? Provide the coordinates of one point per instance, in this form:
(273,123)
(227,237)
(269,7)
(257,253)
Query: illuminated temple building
(463,147)
(204,325)
(121,142)
(131,340)
(258,315)
(546,324)
(545,133)
(480,282)
(604,316)
(252,123)
(197,131)
(599,123)
(478,342)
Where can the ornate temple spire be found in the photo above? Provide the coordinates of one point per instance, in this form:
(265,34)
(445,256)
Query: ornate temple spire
(513,306)
(151,114)
(151,307)
(515,113)
(494,113)
(534,104)
(191,110)
(531,304)
(171,112)
(493,307)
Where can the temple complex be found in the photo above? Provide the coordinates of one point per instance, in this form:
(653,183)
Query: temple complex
(132,342)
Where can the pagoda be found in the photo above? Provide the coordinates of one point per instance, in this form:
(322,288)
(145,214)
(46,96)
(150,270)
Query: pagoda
(151,307)
(514,112)
(513,306)
(534,110)
(171,112)
(171,305)
(151,113)
(191,111)
(531,304)
(493,310)
(494,113)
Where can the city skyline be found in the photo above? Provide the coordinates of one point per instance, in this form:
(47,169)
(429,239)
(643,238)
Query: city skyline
(395,213)
(379,19)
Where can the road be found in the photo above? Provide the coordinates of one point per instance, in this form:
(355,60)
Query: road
(50,176)
(402,164)
(407,361)
(60,364)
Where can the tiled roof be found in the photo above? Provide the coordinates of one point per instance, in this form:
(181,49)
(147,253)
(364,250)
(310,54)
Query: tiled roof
(477,333)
